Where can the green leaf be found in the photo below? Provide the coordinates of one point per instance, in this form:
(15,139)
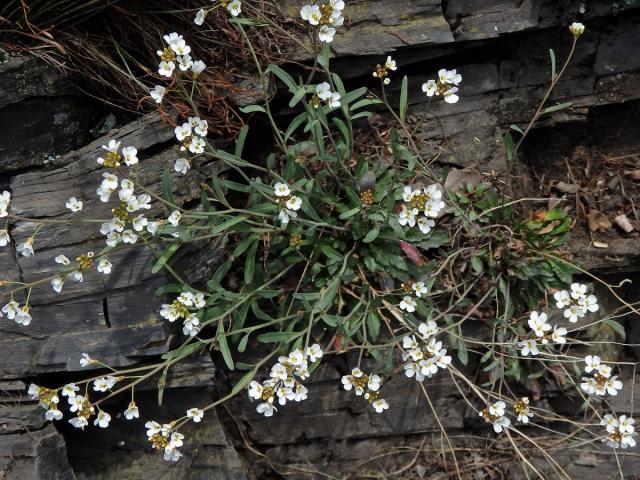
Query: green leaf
(228,224)
(508,146)
(295,123)
(370,263)
(250,262)
(463,356)
(373,325)
(224,347)
(164,257)
(364,103)
(404,96)
(253,108)
(616,327)
(362,115)
(553,63)
(555,108)
(242,136)
(517,129)
(372,235)
(285,77)
(275,337)
(353,95)
(242,346)
(350,213)
(477,265)
(162,381)
(166,186)
(299,95)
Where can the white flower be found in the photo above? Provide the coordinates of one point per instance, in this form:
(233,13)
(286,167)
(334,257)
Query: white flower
(311,13)
(578,291)
(191,325)
(158,93)
(195,414)
(152,227)
(130,155)
(182,165)
(74,204)
(104,266)
(255,390)
(85,360)
(425,224)
(152,428)
(53,414)
(266,408)
(166,68)
(314,352)
(592,362)
(174,218)
(390,64)
(102,419)
(139,223)
(562,298)
(199,20)
(294,203)
(428,329)
(300,393)
(26,247)
(143,201)
(198,300)
(610,422)
(197,145)
(76,403)
(323,90)
(62,259)
(197,68)
(589,303)
(419,288)
(604,370)
(538,323)
(408,304)
(524,413)
(589,385)
(69,390)
(22,316)
(576,29)
(380,405)
(326,33)
(169,312)
(626,424)
(129,237)
(4,238)
(612,385)
(574,312)
(558,334)
(184,62)
(432,207)
(430,88)
(374,383)
(235,7)
(201,127)
(279,372)
(407,217)
(529,347)
(79,422)
(449,77)
(132,411)
(296,357)
(347,382)
(451,97)
(408,193)
(497,409)
(101,384)
(500,424)
(281,189)
(182,131)
(334,101)
(5,199)
(113,239)
(107,187)
(11,309)
(285,215)
(34,391)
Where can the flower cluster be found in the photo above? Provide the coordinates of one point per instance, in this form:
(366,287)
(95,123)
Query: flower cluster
(324,94)
(542,331)
(522,409)
(423,358)
(367,385)
(283,383)
(601,382)
(382,71)
(621,431)
(183,307)
(165,438)
(84,262)
(289,204)
(427,201)
(176,51)
(17,313)
(576,302)
(495,414)
(576,29)
(114,157)
(191,136)
(446,85)
(116,230)
(328,16)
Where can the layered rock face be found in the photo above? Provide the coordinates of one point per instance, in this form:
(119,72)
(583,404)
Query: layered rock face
(50,136)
